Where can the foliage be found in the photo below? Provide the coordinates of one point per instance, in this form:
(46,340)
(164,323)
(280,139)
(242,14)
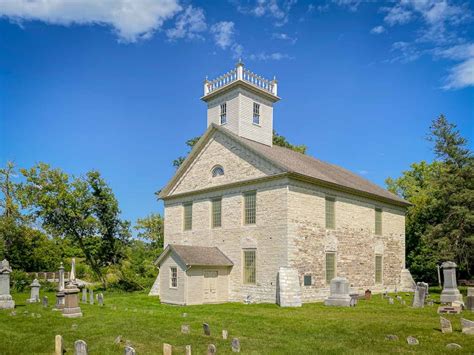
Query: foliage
(150,229)
(190,143)
(439,224)
(20,280)
(9,207)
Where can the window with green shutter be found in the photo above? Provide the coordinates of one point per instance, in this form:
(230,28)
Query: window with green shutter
(378,221)
(330,267)
(330,213)
(378,269)
(307,280)
(187,216)
(250,207)
(250,266)
(217,212)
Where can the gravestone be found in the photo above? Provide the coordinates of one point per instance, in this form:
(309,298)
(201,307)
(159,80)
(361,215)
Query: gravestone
(188,350)
(45,301)
(470,303)
(449,310)
(167,349)
(225,334)
(288,287)
(58,345)
(235,345)
(470,291)
(118,340)
(420,295)
(211,349)
(34,295)
(354,299)
(185,329)
(467,326)
(391,337)
(412,340)
(390,300)
(84,295)
(339,293)
(60,301)
(450,291)
(446,326)
(368,295)
(80,347)
(206,329)
(6,301)
(184,315)
(453,346)
(71,306)
(129,350)
(100,299)
(72,274)
(91,296)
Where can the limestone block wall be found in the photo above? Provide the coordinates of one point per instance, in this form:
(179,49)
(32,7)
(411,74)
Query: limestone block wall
(268,236)
(353,240)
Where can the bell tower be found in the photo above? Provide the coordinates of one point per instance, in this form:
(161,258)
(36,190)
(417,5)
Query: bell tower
(242,102)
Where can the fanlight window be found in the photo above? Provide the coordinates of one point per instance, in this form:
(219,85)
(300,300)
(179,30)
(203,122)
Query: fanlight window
(217,171)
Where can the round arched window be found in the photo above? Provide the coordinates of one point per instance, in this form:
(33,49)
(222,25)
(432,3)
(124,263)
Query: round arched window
(217,171)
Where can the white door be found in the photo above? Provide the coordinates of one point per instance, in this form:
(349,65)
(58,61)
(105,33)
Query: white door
(210,285)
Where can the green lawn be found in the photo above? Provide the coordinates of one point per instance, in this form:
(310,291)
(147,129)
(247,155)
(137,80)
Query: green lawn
(261,329)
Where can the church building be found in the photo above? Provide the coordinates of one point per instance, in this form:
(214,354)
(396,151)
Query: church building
(246,220)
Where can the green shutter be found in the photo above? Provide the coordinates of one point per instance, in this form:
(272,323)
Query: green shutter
(187,216)
(330,267)
(217,212)
(378,269)
(330,213)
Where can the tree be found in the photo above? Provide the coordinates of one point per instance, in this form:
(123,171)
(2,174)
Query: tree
(82,209)
(8,203)
(277,140)
(150,229)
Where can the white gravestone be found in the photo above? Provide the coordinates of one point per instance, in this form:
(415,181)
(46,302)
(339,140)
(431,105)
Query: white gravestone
(6,301)
(419,297)
(450,291)
(80,347)
(34,295)
(339,293)
(60,294)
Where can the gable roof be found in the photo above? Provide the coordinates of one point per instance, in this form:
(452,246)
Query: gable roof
(298,165)
(196,256)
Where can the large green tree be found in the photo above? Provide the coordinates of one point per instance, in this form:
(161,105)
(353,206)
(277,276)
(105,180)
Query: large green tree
(150,229)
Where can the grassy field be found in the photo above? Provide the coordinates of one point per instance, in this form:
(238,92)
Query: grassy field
(262,329)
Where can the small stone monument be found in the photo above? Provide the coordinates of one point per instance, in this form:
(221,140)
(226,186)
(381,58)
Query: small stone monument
(368,295)
(34,295)
(91,296)
(467,326)
(412,340)
(84,295)
(45,301)
(58,345)
(211,349)
(167,349)
(453,346)
(206,329)
(235,345)
(446,326)
(185,329)
(6,301)
(71,297)
(60,294)
(188,350)
(470,303)
(339,293)
(129,350)
(390,300)
(288,287)
(420,295)
(225,334)
(80,347)
(100,299)
(450,291)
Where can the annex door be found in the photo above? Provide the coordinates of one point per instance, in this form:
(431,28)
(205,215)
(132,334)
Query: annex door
(210,285)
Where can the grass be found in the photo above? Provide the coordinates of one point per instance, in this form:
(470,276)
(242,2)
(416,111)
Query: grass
(262,329)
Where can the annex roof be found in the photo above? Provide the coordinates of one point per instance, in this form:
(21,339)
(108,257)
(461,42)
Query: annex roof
(196,255)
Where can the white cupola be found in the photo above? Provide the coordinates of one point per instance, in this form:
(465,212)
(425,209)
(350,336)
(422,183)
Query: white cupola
(242,102)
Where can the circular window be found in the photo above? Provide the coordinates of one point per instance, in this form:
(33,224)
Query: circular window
(217,171)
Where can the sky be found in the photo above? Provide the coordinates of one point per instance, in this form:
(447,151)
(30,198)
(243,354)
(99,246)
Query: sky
(115,85)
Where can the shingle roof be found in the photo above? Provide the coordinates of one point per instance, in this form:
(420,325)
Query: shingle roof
(197,256)
(294,162)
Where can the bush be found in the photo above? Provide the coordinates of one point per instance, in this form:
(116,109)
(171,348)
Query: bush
(20,280)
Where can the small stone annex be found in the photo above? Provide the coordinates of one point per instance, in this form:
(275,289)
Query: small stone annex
(249,221)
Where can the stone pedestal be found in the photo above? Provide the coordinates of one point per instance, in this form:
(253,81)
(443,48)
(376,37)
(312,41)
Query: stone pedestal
(288,288)
(34,296)
(71,306)
(6,301)
(407,284)
(450,291)
(339,293)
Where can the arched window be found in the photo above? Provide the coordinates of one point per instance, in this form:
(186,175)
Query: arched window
(217,171)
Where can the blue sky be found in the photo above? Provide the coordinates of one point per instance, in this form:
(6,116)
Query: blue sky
(115,85)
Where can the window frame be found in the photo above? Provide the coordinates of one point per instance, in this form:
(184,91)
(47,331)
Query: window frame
(215,169)
(246,218)
(185,218)
(328,200)
(256,114)
(379,281)
(378,228)
(245,269)
(328,281)
(173,278)
(223,113)
(305,278)
(213,212)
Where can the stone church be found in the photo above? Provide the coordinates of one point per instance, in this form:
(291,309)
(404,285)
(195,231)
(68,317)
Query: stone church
(246,220)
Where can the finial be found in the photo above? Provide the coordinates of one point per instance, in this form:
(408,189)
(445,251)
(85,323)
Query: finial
(240,62)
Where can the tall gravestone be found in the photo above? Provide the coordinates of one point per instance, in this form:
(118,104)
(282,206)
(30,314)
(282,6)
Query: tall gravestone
(34,295)
(419,297)
(60,294)
(339,293)
(84,295)
(71,297)
(450,291)
(6,301)
(91,296)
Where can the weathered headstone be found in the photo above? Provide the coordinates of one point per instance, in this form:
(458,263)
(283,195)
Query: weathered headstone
(235,345)
(339,293)
(80,347)
(84,295)
(91,296)
(467,326)
(368,295)
(211,349)
(71,301)
(167,349)
(6,301)
(450,291)
(60,300)
(129,351)
(390,300)
(34,295)
(470,291)
(72,274)
(412,340)
(45,301)
(188,350)
(118,340)
(225,334)
(354,299)
(470,303)
(391,337)
(184,315)
(206,329)
(185,329)
(449,310)
(58,345)
(420,295)
(453,346)
(100,299)
(74,326)
(446,326)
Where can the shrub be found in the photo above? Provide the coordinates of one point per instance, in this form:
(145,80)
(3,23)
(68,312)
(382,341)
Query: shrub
(20,280)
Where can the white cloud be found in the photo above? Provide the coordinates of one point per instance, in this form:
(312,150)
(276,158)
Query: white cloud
(352,5)
(363,172)
(269,56)
(462,74)
(407,52)
(284,37)
(377,30)
(397,15)
(279,10)
(130,19)
(223,32)
(189,24)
